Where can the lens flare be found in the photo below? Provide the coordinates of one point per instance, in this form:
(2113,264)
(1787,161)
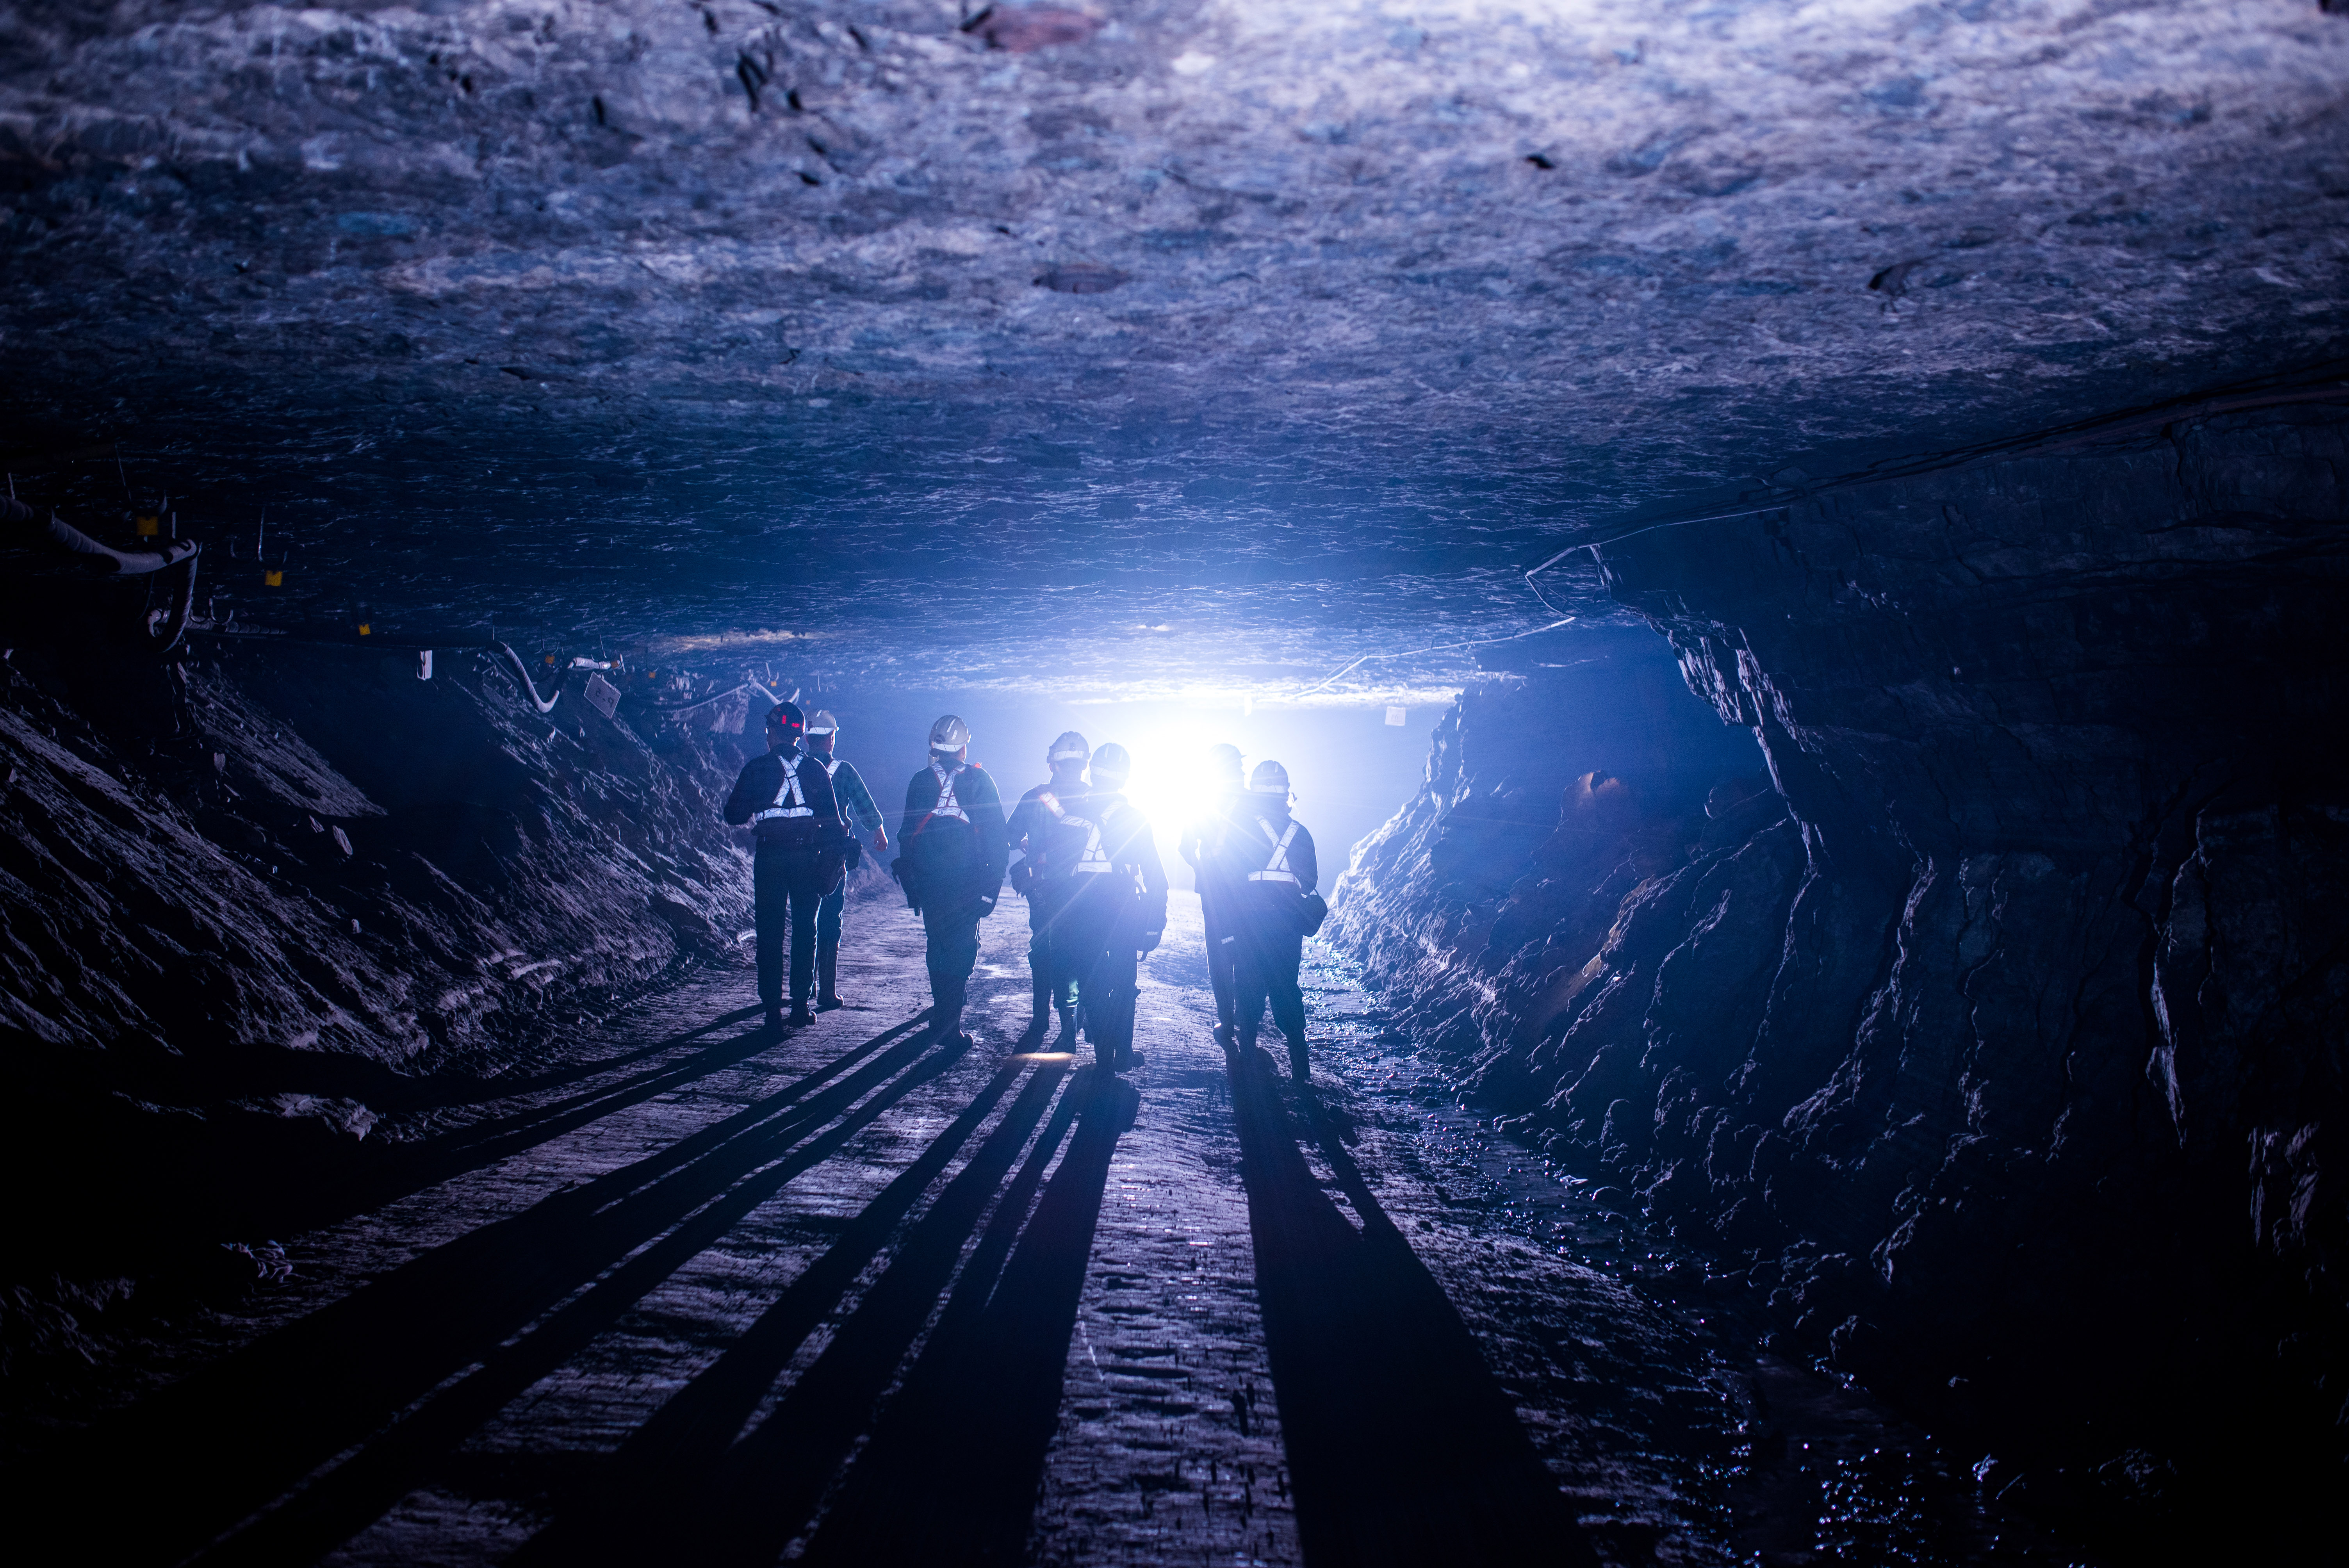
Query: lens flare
(1171,782)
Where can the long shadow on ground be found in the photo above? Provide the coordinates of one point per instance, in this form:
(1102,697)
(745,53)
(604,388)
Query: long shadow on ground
(160,1180)
(225,1441)
(968,1431)
(952,1471)
(1402,1448)
(682,1486)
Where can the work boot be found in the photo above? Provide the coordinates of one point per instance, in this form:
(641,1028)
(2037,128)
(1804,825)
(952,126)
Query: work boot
(1039,1019)
(1297,1069)
(774,1020)
(1227,1036)
(801,1016)
(945,1011)
(827,983)
(1067,1040)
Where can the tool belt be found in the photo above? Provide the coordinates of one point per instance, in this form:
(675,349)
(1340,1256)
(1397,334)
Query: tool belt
(805,855)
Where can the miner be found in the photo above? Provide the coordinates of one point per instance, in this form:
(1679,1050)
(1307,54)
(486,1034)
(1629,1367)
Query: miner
(1267,863)
(801,855)
(1202,845)
(1118,912)
(856,805)
(1043,879)
(950,862)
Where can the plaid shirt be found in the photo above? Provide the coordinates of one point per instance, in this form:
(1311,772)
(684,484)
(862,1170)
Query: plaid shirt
(855,800)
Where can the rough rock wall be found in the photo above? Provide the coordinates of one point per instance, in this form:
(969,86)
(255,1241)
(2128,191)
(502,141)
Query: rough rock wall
(2002,1040)
(247,893)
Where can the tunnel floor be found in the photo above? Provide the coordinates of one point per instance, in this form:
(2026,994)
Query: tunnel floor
(702,1295)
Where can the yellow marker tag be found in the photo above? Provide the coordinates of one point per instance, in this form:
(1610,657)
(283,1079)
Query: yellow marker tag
(273,580)
(364,628)
(149,526)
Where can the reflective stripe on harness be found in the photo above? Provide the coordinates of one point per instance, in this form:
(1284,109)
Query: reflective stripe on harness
(1277,869)
(1095,860)
(947,805)
(799,805)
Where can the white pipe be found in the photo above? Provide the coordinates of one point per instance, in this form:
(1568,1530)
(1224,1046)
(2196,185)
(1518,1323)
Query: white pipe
(522,672)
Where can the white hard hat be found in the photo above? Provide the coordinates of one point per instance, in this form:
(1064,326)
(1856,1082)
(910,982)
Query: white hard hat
(949,734)
(1069,748)
(1269,778)
(1112,762)
(822,723)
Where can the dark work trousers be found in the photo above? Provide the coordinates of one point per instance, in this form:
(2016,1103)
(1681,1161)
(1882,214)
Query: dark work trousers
(785,889)
(951,930)
(1110,990)
(827,923)
(1049,948)
(1077,935)
(1220,948)
(1265,969)
(1080,932)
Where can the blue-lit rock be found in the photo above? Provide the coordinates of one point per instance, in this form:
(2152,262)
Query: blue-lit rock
(2014,1005)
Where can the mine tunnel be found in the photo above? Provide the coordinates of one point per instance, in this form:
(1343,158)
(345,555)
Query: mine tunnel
(1263,782)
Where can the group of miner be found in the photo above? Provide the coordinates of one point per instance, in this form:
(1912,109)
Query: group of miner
(1087,869)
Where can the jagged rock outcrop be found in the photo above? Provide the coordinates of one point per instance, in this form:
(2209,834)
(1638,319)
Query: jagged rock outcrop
(252,896)
(2002,1039)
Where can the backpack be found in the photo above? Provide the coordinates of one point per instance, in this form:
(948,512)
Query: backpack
(1275,879)
(943,845)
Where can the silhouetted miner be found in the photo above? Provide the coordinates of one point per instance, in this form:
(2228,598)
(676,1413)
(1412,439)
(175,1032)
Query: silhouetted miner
(950,860)
(1043,882)
(1268,863)
(801,855)
(1202,845)
(855,804)
(1118,910)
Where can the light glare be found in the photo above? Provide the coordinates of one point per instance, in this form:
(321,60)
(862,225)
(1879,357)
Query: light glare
(1171,783)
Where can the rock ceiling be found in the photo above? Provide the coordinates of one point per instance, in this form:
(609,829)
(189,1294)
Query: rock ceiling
(1298,327)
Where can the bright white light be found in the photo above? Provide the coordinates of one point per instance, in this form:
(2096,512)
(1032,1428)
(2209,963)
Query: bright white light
(1171,782)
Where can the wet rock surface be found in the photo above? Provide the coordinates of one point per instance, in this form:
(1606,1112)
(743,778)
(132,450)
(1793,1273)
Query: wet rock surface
(1944,1026)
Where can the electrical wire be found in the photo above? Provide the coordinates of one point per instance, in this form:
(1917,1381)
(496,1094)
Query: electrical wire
(716,697)
(1439,648)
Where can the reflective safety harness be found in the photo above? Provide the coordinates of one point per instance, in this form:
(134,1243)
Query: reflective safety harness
(947,805)
(1275,870)
(1095,858)
(788,787)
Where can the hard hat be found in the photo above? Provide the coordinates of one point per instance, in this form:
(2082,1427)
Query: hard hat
(1223,761)
(949,734)
(1069,748)
(824,723)
(1270,779)
(786,716)
(1112,762)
